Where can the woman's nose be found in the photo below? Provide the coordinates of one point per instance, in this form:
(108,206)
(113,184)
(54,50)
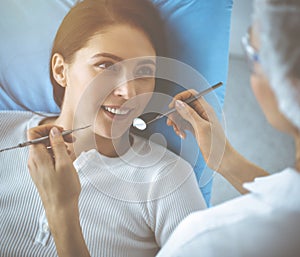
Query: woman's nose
(126,90)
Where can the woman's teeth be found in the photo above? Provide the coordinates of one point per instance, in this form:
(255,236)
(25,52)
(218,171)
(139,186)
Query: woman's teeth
(116,111)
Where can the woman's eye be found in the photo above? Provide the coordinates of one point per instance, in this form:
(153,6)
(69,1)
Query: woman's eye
(107,66)
(145,71)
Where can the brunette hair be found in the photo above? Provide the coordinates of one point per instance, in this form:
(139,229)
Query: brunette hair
(89,17)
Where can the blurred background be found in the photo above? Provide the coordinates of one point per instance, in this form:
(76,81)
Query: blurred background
(247,129)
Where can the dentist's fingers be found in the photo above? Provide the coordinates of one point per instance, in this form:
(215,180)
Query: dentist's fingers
(199,105)
(188,113)
(41,155)
(179,132)
(44,130)
(179,124)
(201,118)
(205,112)
(38,153)
(59,149)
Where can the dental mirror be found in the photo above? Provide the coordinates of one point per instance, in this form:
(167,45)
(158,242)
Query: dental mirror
(142,125)
(139,124)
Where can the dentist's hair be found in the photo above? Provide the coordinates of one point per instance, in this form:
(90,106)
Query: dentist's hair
(279,33)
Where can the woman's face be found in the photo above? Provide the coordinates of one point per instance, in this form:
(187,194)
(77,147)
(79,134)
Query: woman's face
(126,84)
(264,93)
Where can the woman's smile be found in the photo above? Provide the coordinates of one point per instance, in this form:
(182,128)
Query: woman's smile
(117,112)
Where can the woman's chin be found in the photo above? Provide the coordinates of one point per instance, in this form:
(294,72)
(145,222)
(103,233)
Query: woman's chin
(110,128)
(111,133)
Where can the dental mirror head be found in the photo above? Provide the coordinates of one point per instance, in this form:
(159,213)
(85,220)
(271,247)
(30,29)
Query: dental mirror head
(139,124)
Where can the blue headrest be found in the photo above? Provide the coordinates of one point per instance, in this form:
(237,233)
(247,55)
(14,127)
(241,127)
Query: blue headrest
(197,34)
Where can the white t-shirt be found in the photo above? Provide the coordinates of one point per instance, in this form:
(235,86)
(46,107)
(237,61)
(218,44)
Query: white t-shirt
(129,206)
(264,223)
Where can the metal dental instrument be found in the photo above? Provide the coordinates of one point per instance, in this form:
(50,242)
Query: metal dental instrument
(188,101)
(41,139)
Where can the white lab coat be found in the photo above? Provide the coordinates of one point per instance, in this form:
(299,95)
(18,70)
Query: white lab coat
(263,223)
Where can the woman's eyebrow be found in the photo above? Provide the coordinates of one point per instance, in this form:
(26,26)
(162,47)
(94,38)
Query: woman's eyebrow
(119,59)
(112,56)
(146,61)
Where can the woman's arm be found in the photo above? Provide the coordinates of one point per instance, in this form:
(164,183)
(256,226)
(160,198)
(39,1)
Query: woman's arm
(217,151)
(59,187)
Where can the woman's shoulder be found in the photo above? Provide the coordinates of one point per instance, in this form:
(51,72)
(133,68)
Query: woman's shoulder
(13,127)
(21,115)
(14,121)
(14,116)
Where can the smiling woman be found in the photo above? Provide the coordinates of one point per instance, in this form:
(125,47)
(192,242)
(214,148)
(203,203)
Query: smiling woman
(105,50)
(109,193)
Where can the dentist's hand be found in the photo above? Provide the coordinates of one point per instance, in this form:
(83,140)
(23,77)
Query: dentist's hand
(59,187)
(200,118)
(52,171)
(218,153)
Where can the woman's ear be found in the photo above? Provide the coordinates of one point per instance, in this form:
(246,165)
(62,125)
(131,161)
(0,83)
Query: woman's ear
(59,69)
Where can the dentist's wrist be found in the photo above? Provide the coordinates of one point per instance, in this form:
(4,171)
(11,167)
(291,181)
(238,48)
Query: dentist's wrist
(237,170)
(230,158)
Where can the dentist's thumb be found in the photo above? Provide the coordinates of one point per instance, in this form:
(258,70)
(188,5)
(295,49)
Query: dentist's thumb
(58,145)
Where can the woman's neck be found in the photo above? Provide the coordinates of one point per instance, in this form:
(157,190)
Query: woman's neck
(105,146)
(113,148)
(85,140)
